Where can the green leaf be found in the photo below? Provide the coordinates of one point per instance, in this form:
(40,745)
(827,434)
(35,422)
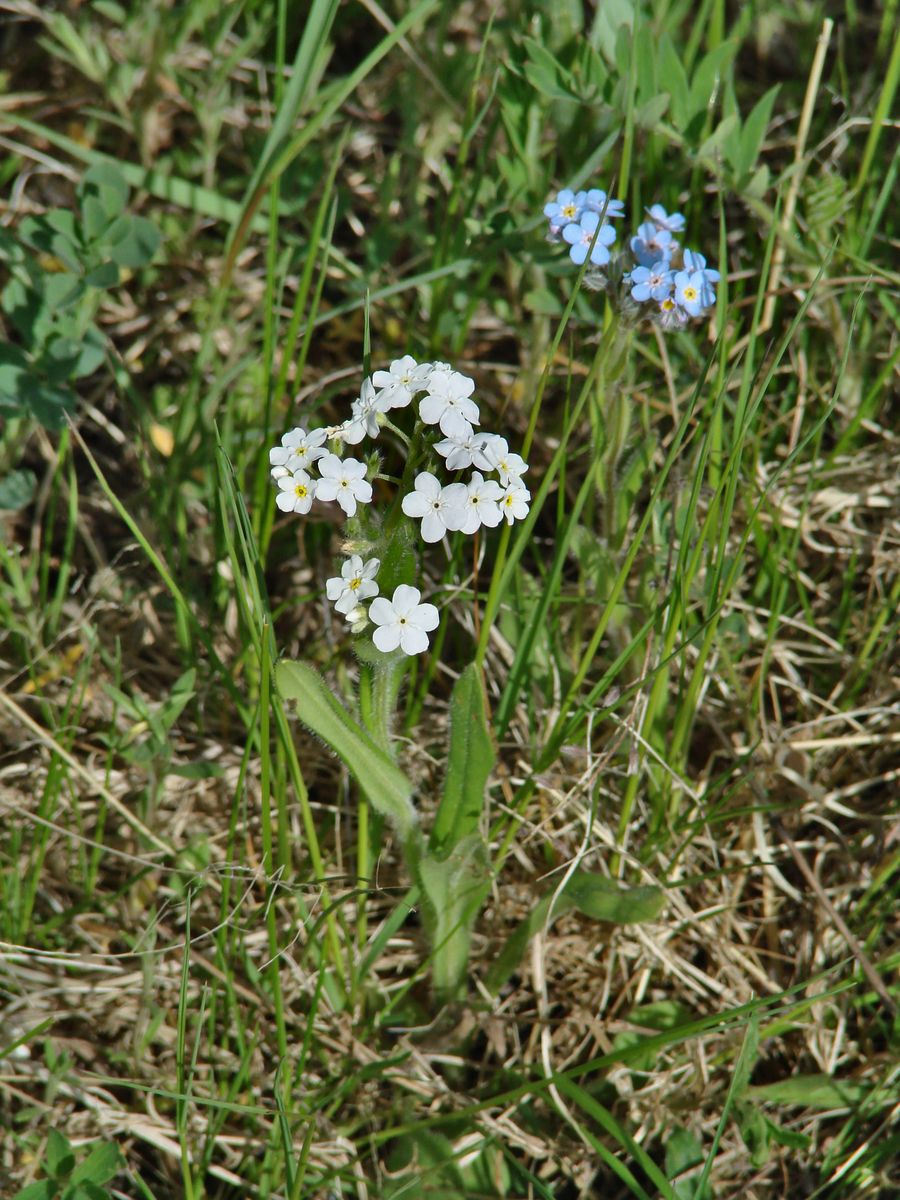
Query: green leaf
(546,74)
(726,134)
(14,372)
(49,403)
(603,899)
(182,692)
(92,354)
(469,763)
(755,1131)
(16,490)
(706,77)
(612,16)
(104,1161)
(96,218)
(753,133)
(104,183)
(62,291)
(645,61)
(44,1189)
(650,113)
(673,78)
(132,241)
(595,896)
(683,1151)
(54,235)
(387,788)
(60,1159)
(662,1014)
(11,250)
(104,276)
(813,1091)
(788,1137)
(453,890)
(59,358)
(758,184)
(86,1190)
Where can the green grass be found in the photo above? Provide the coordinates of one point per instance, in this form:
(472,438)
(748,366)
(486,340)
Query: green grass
(214,955)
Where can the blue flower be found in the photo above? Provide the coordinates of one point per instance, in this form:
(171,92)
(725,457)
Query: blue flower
(652,283)
(567,207)
(663,220)
(581,235)
(696,263)
(690,288)
(652,244)
(596,198)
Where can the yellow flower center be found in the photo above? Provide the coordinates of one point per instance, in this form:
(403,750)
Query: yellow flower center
(569,211)
(354,583)
(301,490)
(690,293)
(667,305)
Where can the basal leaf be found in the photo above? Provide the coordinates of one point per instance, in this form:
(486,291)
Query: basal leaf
(604,900)
(812,1091)
(454,890)
(470,762)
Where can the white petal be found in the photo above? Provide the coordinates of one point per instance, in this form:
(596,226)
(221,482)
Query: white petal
(415,504)
(412,640)
(426,616)
(382,611)
(433,525)
(405,599)
(386,637)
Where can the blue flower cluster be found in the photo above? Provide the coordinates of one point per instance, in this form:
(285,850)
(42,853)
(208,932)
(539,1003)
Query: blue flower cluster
(654,277)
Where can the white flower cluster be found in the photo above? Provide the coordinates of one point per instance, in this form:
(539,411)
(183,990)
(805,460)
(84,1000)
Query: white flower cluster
(445,401)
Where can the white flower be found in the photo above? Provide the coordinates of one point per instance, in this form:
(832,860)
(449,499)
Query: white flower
(297,492)
(439,507)
(297,451)
(365,412)
(514,504)
(448,405)
(461,452)
(356,582)
(403,621)
(343,480)
(509,466)
(480,506)
(404,380)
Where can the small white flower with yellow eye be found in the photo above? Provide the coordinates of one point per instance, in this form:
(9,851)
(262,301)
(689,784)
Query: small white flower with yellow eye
(355,583)
(296,492)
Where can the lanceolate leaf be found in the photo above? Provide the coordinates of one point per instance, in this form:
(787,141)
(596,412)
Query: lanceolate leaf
(595,896)
(387,788)
(454,891)
(470,762)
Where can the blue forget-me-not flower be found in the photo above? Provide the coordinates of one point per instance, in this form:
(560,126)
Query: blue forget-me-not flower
(581,235)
